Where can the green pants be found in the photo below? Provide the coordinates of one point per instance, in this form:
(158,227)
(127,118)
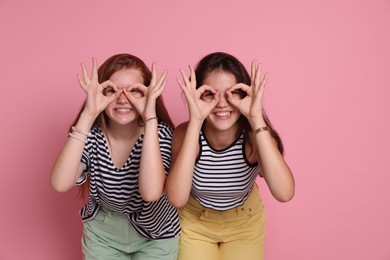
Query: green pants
(110,236)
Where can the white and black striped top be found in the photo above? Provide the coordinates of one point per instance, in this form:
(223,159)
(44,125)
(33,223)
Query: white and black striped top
(223,179)
(117,189)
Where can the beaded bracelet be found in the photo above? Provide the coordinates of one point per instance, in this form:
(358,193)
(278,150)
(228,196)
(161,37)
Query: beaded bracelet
(80,132)
(260,129)
(75,137)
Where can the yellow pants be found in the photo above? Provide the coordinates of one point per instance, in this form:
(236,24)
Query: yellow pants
(233,234)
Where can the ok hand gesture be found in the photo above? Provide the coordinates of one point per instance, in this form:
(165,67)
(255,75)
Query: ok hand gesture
(96,101)
(198,108)
(144,98)
(250,106)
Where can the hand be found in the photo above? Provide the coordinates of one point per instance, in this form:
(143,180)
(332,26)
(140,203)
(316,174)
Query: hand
(198,109)
(144,98)
(251,106)
(96,100)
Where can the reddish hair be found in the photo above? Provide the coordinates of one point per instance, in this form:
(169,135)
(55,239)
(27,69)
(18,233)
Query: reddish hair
(106,70)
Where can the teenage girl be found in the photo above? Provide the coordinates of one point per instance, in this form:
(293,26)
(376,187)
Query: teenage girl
(217,156)
(119,151)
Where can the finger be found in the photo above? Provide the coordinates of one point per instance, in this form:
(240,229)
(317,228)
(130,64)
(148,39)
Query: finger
(85,74)
(215,101)
(183,88)
(241,86)
(253,71)
(263,83)
(258,75)
(161,87)
(162,79)
(185,78)
(81,82)
(137,87)
(109,83)
(154,75)
(205,88)
(193,77)
(234,101)
(94,77)
(132,99)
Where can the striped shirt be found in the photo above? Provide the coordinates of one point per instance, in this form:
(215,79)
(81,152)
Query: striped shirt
(118,190)
(223,179)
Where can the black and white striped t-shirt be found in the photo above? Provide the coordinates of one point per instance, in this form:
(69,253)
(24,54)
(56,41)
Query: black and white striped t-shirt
(223,179)
(117,189)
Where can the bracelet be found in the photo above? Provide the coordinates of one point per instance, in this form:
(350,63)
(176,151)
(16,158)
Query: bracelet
(150,119)
(75,137)
(80,132)
(261,129)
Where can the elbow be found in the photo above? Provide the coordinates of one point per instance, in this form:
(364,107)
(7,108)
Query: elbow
(177,201)
(151,196)
(59,186)
(285,196)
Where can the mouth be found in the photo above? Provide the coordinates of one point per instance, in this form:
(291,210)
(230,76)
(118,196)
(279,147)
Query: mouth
(122,110)
(222,115)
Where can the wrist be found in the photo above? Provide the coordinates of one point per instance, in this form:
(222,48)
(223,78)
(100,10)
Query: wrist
(85,122)
(150,119)
(257,123)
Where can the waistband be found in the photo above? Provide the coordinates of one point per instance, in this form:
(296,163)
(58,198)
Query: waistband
(251,206)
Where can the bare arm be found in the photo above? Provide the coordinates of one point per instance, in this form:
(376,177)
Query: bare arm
(274,169)
(67,168)
(185,148)
(151,173)
(185,140)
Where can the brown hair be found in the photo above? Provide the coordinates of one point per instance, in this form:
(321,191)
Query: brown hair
(106,70)
(228,63)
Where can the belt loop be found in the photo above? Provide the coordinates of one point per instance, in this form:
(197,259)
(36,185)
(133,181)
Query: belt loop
(206,213)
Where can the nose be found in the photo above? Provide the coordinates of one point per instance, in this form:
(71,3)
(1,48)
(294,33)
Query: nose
(222,100)
(122,99)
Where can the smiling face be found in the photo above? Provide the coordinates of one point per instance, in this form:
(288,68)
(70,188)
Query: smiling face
(120,111)
(224,116)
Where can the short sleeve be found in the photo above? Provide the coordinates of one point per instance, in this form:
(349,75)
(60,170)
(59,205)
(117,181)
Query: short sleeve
(165,139)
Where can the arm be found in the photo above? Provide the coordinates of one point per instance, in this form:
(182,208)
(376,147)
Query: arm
(67,168)
(274,169)
(185,146)
(151,173)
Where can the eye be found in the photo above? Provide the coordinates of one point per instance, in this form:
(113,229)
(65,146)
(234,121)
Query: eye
(208,94)
(136,93)
(108,91)
(238,93)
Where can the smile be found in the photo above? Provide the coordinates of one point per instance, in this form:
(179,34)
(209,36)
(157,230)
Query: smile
(122,110)
(222,114)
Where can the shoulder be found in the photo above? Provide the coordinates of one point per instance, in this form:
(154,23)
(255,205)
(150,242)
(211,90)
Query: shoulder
(180,131)
(164,131)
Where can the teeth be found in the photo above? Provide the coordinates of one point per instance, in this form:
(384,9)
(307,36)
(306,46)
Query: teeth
(123,110)
(221,114)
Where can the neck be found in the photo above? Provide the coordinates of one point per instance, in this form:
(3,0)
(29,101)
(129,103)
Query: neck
(220,139)
(124,132)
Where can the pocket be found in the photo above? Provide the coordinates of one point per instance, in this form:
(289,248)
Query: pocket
(101,216)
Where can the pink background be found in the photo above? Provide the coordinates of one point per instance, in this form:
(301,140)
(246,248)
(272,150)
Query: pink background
(328,95)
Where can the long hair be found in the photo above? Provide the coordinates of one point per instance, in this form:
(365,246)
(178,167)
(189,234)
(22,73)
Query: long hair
(106,70)
(228,63)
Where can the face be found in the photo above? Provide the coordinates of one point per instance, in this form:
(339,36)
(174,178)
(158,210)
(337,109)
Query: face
(224,116)
(121,111)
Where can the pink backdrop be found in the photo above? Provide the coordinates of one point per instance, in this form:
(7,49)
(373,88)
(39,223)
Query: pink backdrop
(328,95)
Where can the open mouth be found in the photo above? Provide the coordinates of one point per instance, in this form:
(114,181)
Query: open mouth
(123,110)
(222,115)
